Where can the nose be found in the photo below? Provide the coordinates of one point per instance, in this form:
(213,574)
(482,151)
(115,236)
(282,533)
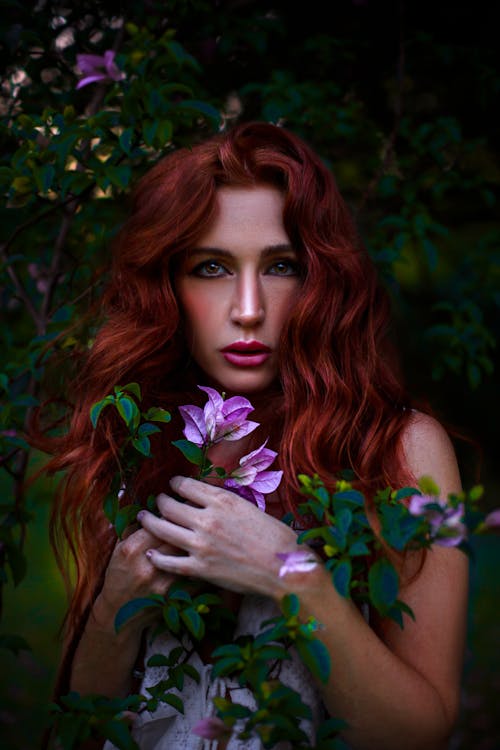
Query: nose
(248,304)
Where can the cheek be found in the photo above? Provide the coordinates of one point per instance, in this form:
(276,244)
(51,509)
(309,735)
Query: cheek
(284,304)
(198,311)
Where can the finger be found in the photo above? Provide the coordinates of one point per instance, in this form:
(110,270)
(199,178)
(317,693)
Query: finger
(196,491)
(168,532)
(140,540)
(131,529)
(179,513)
(181,565)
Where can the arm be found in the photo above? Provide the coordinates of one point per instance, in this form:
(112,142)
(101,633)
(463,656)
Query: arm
(104,660)
(393,687)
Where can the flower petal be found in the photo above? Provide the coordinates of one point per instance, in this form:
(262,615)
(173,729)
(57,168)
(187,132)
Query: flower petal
(459,534)
(91,79)
(267,481)
(247,493)
(261,458)
(194,424)
(301,561)
(492,520)
(236,432)
(417,503)
(243,476)
(236,408)
(211,728)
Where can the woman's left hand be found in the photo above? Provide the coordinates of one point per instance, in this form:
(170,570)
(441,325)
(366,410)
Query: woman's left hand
(227,540)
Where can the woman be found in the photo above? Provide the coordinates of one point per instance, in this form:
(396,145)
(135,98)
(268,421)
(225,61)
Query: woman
(239,268)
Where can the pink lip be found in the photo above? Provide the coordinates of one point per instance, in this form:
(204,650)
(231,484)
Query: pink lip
(247,346)
(246,353)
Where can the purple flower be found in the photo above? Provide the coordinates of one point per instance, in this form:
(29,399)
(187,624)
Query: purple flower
(211,728)
(492,520)
(98,68)
(296,562)
(250,480)
(446,526)
(218,420)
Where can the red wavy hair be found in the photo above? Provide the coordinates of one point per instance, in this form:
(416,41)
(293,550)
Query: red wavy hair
(340,402)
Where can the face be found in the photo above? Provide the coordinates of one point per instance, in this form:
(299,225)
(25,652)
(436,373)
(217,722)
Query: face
(236,289)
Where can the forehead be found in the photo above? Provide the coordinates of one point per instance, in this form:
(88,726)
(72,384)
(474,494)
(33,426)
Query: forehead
(247,212)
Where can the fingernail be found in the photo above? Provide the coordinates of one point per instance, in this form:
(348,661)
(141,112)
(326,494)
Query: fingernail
(149,554)
(141,515)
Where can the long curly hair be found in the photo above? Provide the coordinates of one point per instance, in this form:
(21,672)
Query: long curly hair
(340,401)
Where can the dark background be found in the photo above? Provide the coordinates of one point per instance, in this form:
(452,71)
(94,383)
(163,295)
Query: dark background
(400,99)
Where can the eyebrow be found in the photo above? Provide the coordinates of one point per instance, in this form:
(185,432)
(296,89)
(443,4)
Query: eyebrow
(268,250)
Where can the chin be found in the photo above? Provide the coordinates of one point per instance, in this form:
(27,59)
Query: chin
(245,384)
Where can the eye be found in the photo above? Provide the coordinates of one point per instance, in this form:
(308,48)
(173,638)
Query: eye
(286,267)
(209,269)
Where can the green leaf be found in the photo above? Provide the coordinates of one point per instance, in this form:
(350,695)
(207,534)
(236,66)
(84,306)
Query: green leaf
(133,388)
(132,608)
(290,605)
(342,577)
(398,525)
(158,660)
(14,643)
(118,733)
(110,507)
(149,128)
(383,585)
(192,452)
(96,409)
(125,140)
(146,429)
(405,492)
(193,622)
(330,727)
(43,177)
(202,108)
(351,496)
(226,666)
(156,414)
(428,486)
(315,656)
(118,175)
(343,520)
(124,517)
(173,700)
(476,492)
(128,411)
(171,617)
(358,548)
(179,594)
(142,445)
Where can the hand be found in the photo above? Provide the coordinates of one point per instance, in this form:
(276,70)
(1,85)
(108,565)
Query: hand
(130,575)
(225,539)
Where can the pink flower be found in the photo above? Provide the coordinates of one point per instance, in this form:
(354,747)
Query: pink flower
(296,562)
(492,520)
(98,68)
(250,480)
(211,728)
(219,420)
(446,525)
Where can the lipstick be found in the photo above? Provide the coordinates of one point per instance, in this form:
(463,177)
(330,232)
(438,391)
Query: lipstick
(246,353)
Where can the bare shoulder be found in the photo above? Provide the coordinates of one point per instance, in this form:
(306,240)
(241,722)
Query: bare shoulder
(428,451)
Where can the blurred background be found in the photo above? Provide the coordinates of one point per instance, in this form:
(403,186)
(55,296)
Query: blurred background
(399,100)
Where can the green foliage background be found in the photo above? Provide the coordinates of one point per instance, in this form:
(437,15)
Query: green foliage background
(399,102)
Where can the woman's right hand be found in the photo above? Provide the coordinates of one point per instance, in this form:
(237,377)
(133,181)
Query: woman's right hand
(130,575)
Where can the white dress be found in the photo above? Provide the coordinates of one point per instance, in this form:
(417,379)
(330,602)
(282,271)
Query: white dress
(167,729)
